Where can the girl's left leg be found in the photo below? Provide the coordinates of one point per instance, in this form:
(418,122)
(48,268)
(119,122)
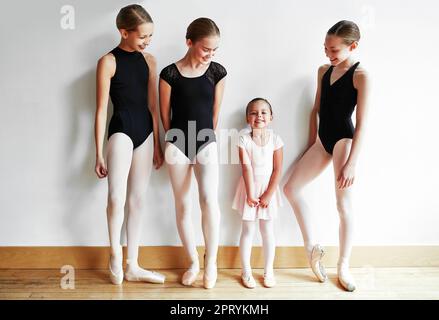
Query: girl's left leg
(269,244)
(345,210)
(138,179)
(206,174)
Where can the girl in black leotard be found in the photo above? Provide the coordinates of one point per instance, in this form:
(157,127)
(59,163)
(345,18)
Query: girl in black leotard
(191,91)
(342,85)
(129,76)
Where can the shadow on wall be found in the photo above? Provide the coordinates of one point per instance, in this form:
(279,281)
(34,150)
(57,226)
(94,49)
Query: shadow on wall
(294,119)
(230,218)
(79,154)
(82,183)
(79,151)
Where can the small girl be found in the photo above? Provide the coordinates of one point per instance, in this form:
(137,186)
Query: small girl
(258,196)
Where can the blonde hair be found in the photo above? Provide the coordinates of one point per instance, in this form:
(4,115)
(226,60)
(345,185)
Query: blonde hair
(130,17)
(201,28)
(347,30)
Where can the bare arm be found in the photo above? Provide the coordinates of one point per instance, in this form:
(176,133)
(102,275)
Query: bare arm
(152,96)
(219,92)
(165,103)
(361,83)
(105,70)
(347,174)
(274,179)
(153,103)
(247,174)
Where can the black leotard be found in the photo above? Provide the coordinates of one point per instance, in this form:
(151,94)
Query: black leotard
(337,103)
(129,94)
(192,100)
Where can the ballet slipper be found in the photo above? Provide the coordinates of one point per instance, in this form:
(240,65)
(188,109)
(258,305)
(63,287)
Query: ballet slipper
(209,281)
(345,278)
(316,263)
(115,278)
(137,274)
(189,277)
(269,280)
(248,281)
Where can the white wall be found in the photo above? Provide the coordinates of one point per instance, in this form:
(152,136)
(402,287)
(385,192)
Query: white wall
(49,194)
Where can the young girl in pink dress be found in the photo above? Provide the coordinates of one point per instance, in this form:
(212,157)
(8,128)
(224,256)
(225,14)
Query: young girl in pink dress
(258,196)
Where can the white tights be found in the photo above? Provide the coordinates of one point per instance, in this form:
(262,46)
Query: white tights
(128,176)
(313,162)
(268,242)
(206,174)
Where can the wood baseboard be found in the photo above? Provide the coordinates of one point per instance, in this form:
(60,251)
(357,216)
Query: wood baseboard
(170,257)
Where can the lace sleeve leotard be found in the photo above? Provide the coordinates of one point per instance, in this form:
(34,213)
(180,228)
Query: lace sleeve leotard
(191,105)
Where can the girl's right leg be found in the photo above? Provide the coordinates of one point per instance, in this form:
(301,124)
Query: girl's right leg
(245,248)
(269,244)
(312,163)
(119,156)
(180,173)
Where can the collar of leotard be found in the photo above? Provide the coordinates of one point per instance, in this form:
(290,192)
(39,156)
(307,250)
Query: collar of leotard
(124,51)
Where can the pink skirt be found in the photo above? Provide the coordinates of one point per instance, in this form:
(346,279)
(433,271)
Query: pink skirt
(250,214)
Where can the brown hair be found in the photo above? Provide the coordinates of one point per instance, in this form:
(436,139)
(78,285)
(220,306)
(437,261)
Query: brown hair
(201,28)
(256,100)
(130,17)
(347,30)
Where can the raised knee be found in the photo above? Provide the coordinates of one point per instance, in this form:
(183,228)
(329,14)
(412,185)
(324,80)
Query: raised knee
(287,189)
(291,191)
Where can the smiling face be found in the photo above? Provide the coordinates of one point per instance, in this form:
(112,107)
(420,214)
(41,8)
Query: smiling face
(139,38)
(337,50)
(259,115)
(203,50)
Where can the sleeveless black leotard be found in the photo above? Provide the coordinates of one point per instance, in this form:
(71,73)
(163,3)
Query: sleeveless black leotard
(191,105)
(129,94)
(337,103)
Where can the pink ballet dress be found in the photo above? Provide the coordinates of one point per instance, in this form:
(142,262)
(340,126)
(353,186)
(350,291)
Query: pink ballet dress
(261,159)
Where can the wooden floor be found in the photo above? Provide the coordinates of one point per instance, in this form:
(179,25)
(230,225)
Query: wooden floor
(373,283)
